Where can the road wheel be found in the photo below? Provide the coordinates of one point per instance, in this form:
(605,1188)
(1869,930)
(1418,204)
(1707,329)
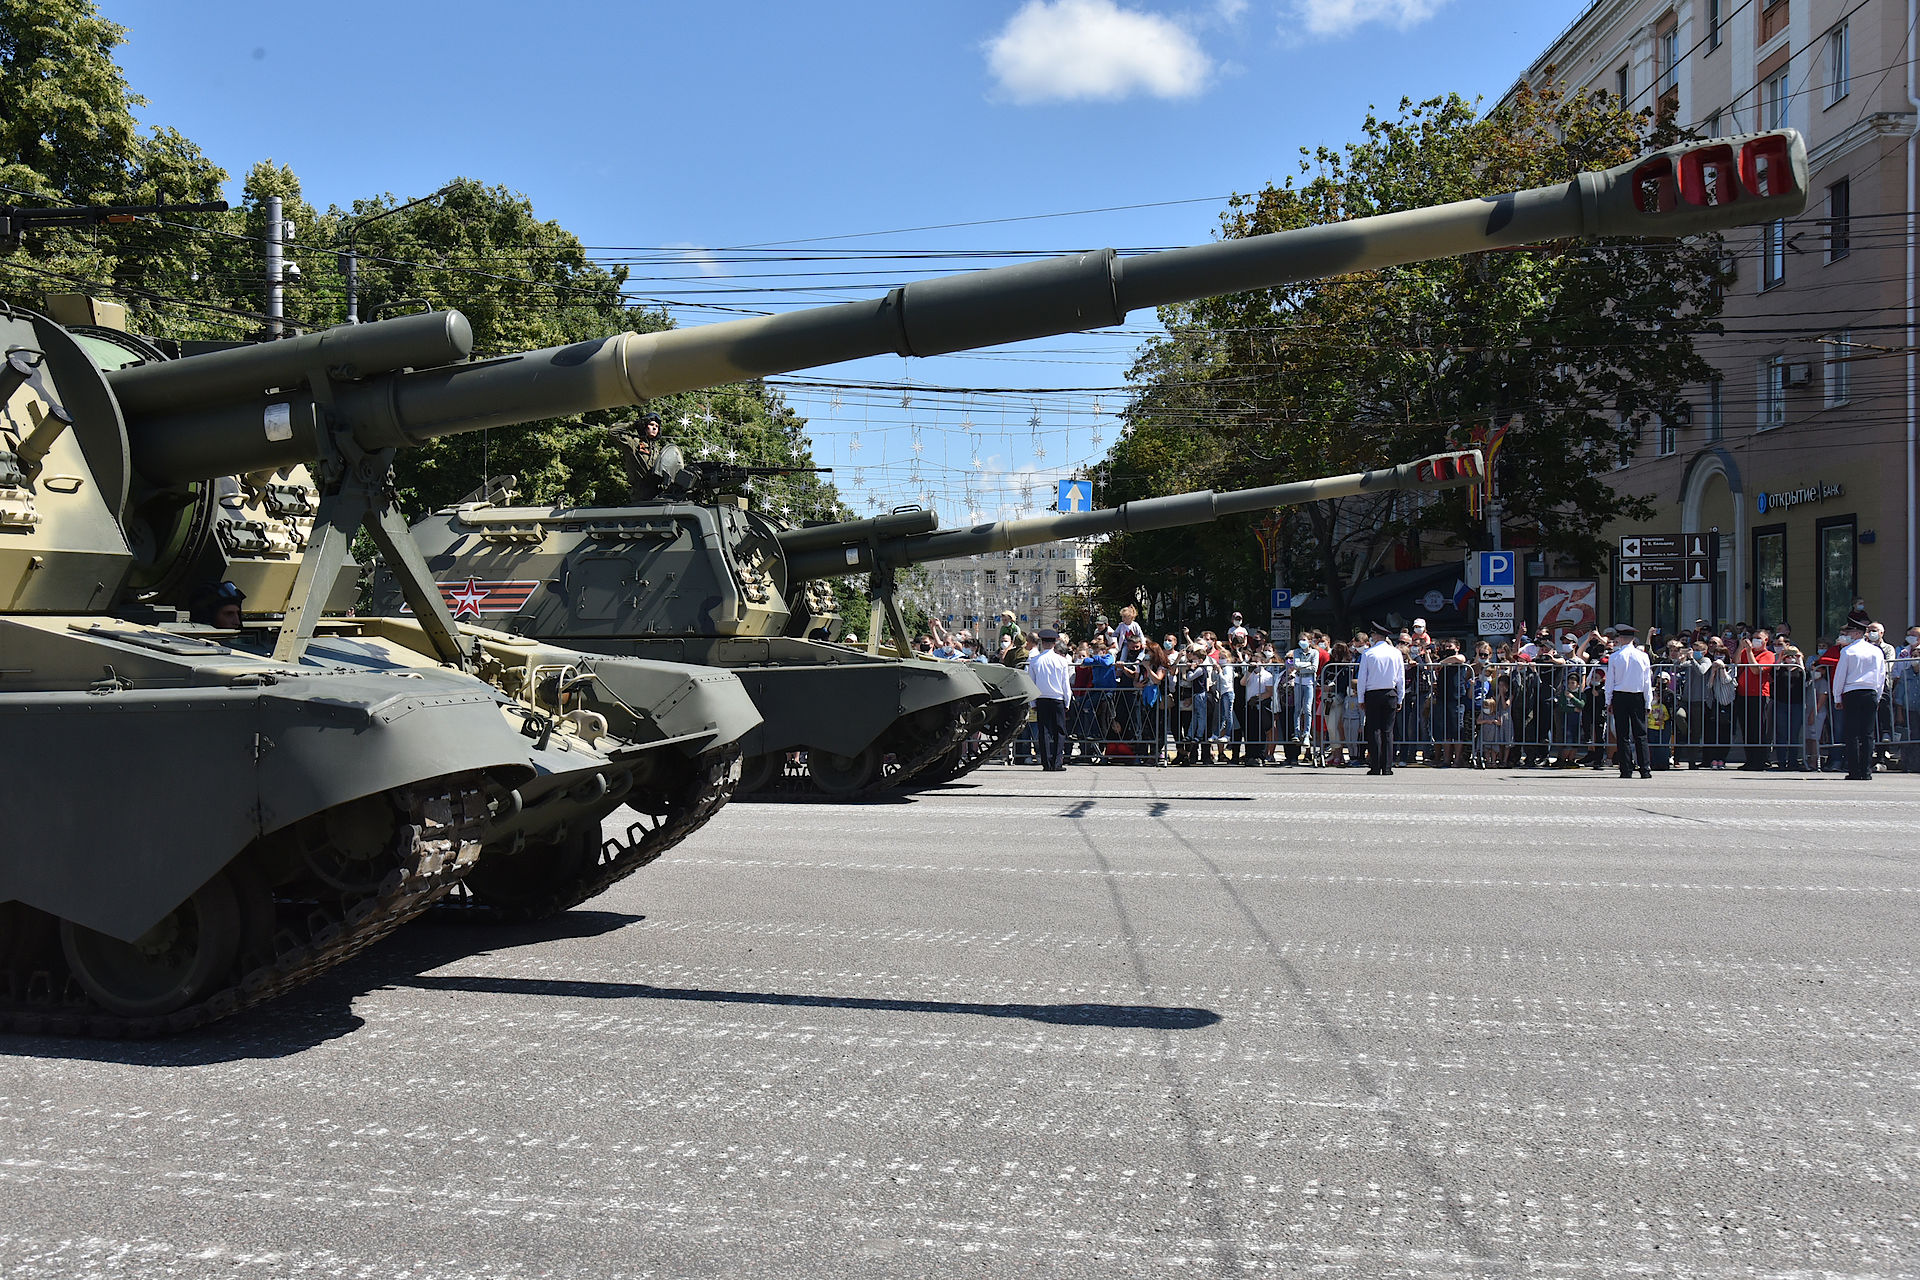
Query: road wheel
(177,962)
(838,775)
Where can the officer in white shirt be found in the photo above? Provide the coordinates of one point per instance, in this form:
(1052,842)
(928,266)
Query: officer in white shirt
(1382,685)
(1051,671)
(1858,678)
(1629,686)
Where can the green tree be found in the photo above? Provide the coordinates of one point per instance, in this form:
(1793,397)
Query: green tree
(68,136)
(1586,343)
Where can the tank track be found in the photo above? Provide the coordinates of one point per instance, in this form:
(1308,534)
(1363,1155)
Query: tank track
(974,752)
(444,818)
(680,814)
(795,784)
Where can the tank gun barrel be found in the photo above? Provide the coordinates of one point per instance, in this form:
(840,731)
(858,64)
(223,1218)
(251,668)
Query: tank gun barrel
(1679,191)
(857,554)
(836,538)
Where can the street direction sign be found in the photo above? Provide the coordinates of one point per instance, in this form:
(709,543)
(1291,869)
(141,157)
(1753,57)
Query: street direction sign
(1699,546)
(1496,617)
(1075,495)
(1699,569)
(1652,546)
(1638,571)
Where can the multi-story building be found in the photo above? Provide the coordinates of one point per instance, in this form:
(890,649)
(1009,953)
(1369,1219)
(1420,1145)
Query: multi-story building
(1800,454)
(972,591)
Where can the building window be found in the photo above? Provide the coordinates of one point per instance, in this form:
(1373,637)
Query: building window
(1839,64)
(1059,577)
(1772,393)
(1840,369)
(1622,80)
(1774,15)
(1776,100)
(1666,607)
(1628,434)
(1713,125)
(1713,24)
(1669,435)
(1769,575)
(1668,46)
(1716,409)
(1839,220)
(993,576)
(1834,541)
(1773,253)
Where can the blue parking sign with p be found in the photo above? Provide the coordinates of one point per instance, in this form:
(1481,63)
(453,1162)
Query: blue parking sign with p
(1075,495)
(1282,600)
(1496,568)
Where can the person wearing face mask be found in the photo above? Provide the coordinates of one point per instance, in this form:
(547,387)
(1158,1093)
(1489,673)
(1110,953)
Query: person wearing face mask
(1303,668)
(1884,751)
(1693,701)
(1906,699)
(1261,677)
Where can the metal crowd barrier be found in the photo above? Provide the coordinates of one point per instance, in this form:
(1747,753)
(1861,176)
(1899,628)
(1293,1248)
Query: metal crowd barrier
(1541,714)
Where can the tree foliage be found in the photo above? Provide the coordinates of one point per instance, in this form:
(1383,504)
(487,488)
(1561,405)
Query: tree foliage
(68,135)
(1587,343)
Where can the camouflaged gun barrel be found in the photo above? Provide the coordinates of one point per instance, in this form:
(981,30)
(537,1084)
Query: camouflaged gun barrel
(1675,192)
(838,535)
(857,554)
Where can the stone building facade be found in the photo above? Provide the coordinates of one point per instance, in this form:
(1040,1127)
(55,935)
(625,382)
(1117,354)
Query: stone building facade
(1800,456)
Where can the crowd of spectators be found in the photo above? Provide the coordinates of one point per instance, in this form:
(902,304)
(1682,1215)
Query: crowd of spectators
(1741,696)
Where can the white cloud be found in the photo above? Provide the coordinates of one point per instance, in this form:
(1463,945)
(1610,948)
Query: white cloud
(1070,50)
(1342,17)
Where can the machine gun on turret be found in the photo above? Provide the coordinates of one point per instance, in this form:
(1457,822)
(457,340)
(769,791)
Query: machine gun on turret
(707,478)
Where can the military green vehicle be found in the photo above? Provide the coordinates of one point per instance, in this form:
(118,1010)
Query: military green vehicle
(689,572)
(224,809)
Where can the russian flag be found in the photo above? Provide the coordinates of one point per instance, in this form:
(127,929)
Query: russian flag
(1461,594)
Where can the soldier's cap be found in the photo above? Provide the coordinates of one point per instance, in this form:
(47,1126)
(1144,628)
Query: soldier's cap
(1859,620)
(1623,629)
(1379,628)
(1049,635)
(645,418)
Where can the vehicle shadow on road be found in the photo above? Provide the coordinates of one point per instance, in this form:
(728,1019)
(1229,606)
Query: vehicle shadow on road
(322,1010)
(1152,1017)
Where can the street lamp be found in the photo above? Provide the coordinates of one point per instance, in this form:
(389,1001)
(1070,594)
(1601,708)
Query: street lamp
(350,260)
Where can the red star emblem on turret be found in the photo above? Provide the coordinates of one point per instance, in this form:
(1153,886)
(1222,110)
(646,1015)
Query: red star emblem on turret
(467,599)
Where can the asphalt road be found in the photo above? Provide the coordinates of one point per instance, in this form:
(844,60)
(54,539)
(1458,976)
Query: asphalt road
(1112,1022)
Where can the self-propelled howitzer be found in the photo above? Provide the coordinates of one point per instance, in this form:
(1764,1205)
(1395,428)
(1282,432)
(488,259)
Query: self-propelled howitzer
(709,580)
(701,577)
(214,823)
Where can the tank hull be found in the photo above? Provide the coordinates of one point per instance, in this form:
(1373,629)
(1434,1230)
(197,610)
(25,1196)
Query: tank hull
(816,697)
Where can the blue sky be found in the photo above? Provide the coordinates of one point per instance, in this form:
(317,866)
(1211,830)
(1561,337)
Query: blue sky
(705,126)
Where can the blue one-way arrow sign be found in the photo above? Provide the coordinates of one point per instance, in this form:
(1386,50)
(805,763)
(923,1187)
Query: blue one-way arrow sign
(1075,495)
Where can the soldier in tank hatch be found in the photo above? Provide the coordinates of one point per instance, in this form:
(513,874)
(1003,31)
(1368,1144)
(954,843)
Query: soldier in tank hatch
(653,462)
(216,604)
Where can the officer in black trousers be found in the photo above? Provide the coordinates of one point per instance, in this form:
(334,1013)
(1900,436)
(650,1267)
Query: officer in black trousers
(1382,685)
(1629,690)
